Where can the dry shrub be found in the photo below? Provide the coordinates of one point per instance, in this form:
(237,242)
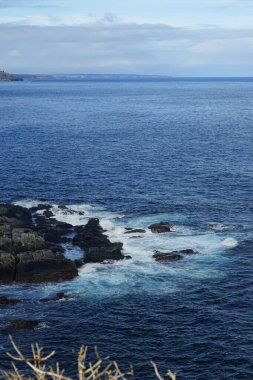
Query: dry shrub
(100,369)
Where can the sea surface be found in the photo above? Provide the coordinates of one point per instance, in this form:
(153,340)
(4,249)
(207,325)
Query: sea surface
(132,153)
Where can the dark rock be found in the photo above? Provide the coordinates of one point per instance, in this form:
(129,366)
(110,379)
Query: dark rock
(15,240)
(93,226)
(97,246)
(40,207)
(100,254)
(26,240)
(166,256)
(53,232)
(56,248)
(187,251)
(4,301)
(12,222)
(160,227)
(23,215)
(63,207)
(44,266)
(174,255)
(21,324)
(136,230)
(59,296)
(79,263)
(7,267)
(48,214)
(66,211)
(30,248)
(5,237)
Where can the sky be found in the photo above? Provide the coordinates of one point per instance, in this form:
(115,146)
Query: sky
(159,37)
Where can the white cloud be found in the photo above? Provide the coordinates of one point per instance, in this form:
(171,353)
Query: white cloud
(120,47)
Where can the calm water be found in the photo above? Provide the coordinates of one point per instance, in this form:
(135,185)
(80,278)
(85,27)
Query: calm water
(133,153)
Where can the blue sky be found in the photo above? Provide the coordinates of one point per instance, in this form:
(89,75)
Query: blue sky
(171,37)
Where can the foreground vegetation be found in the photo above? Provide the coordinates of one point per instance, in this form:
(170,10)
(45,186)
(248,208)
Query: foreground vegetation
(39,369)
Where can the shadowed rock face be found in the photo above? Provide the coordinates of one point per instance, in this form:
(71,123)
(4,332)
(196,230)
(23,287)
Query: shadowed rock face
(7,267)
(43,266)
(14,240)
(15,215)
(27,250)
(96,245)
(161,227)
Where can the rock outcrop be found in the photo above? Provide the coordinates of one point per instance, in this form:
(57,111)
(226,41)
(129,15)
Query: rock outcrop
(95,243)
(160,227)
(44,266)
(172,256)
(32,245)
(7,267)
(30,252)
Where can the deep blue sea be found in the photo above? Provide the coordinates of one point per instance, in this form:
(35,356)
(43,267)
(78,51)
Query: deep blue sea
(133,153)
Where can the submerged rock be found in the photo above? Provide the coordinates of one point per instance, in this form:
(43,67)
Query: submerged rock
(166,256)
(160,227)
(21,324)
(4,301)
(134,231)
(58,297)
(173,255)
(187,251)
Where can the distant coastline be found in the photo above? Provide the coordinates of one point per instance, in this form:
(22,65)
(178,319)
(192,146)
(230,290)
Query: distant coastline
(6,77)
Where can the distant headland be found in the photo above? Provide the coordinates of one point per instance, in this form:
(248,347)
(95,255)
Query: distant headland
(6,77)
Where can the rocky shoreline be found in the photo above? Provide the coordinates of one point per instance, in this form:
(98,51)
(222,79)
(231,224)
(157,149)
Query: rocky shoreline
(32,244)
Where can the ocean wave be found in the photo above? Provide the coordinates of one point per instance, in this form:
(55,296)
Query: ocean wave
(142,273)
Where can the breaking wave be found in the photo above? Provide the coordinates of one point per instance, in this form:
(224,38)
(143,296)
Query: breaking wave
(142,273)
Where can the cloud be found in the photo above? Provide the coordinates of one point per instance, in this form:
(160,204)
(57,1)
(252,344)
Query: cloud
(29,3)
(120,47)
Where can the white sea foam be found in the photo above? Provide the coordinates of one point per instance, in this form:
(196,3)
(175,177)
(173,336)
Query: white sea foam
(142,273)
(230,242)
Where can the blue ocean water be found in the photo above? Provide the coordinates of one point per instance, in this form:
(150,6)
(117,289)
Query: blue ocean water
(133,153)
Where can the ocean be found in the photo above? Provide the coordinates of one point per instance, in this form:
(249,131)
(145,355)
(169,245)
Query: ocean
(134,153)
